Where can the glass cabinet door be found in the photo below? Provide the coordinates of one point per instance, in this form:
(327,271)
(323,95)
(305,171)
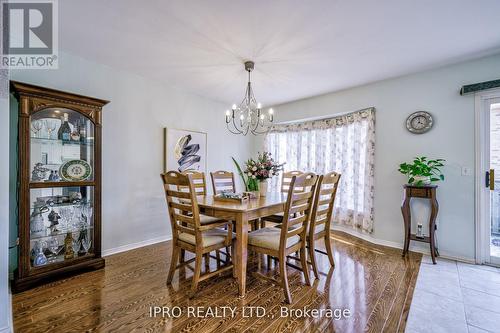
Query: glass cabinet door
(61,224)
(61,146)
(61,216)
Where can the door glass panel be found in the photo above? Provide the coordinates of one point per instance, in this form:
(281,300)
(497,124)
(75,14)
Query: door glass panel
(62,146)
(495,194)
(61,224)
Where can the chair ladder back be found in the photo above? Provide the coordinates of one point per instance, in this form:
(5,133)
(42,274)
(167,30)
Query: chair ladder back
(222,181)
(182,204)
(324,201)
(298,207)
(199,182)
(286,178)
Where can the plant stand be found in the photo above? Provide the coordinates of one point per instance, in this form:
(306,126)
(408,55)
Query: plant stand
(426,192)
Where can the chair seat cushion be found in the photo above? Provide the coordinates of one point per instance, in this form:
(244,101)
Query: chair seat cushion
(269,238)
(209,237)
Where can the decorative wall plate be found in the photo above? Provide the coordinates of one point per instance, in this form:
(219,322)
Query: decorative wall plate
(419,122)
(75,170)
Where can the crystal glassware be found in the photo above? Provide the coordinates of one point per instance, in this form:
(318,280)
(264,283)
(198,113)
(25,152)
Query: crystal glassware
(36,127)
(87,211)
(77,217)
(76,247)
(50,125)
(86,243)
(66,215)
(53,246)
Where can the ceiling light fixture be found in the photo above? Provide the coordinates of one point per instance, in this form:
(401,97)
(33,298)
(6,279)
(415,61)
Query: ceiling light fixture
(248,116)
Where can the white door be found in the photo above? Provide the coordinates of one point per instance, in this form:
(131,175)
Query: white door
(488,178)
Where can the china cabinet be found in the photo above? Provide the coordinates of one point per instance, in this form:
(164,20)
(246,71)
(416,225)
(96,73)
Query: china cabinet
(59,180)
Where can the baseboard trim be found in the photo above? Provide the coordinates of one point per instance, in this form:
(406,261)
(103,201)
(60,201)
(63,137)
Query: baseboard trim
(420,248)
(137,245)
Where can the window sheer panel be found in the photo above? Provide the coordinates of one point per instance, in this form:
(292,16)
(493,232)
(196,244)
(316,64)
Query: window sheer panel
(345,144)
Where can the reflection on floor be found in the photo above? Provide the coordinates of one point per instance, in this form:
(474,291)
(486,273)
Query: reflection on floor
(375,283)
(455,297)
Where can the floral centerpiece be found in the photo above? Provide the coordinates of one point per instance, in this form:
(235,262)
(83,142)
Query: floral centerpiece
(258,171)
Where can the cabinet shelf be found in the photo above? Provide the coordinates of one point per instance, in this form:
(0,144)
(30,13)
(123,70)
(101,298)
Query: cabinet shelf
(75,231)
(61,184)
(88,142)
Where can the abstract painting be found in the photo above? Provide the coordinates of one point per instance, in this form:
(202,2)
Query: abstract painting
(185,150)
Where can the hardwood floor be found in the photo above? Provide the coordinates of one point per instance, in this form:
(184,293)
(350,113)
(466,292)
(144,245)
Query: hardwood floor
(373,282)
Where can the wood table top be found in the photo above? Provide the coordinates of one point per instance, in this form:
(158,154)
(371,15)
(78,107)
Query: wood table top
(271,199)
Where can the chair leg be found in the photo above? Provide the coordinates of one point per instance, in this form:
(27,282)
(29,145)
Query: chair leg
(312,256)
(268,261)
(328,246)
(284,280)
(183,255)
(262,223)
(207,261)
(233,257)
(173,263)
(305,265)
(217,255)
(197,273)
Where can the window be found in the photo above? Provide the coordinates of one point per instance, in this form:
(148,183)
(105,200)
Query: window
(344,144)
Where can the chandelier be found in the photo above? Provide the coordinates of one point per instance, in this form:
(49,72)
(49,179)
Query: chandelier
(248,116)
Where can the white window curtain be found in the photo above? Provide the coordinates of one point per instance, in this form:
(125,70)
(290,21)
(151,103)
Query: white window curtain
(344,144)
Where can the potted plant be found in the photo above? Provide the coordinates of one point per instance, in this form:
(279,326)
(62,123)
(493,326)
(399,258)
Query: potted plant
(258,171)
(422,171)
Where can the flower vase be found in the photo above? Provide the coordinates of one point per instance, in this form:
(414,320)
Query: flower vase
(263,188)
(253,188)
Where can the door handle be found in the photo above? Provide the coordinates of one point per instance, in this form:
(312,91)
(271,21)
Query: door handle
(490,179)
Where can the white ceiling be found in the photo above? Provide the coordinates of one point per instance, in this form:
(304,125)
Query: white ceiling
(301,48)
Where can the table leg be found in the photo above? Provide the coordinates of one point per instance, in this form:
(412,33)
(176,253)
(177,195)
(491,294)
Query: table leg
(241,251)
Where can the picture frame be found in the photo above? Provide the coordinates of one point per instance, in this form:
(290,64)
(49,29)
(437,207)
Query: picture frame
(184,150)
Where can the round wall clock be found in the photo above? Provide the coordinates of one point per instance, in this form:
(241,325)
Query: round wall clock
(419,122)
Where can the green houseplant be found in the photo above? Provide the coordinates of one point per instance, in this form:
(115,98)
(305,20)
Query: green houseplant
(422,171)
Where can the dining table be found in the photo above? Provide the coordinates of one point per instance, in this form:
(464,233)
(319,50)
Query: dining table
(241,213)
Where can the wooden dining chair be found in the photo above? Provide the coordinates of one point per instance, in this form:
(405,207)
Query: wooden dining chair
(187,231)
(321,217)
(223,181)
(200,187)
(286,178)
(281,242)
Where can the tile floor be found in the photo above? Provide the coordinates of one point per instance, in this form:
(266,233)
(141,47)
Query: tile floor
(454,297)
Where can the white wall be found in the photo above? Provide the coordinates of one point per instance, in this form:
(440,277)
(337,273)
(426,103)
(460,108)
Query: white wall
(134,209)
(452,138)
(5,309)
